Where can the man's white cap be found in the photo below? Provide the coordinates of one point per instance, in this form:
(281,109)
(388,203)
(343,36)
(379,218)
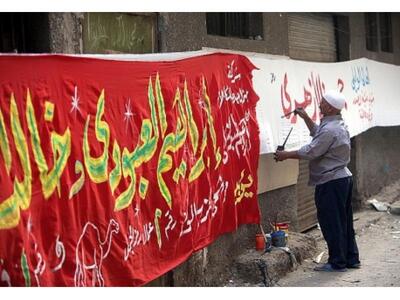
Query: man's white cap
(335,98)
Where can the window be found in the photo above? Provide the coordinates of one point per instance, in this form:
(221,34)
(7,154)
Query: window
(342,34)
(378,30)
(241,25)
(371,31)
(385,26)
(24,32)
(11,28)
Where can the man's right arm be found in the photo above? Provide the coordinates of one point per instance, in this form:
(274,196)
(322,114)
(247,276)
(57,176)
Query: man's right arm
(310,123)
(320,144)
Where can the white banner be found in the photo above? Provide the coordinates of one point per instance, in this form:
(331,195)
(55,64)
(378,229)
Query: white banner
(371,89)
(372,92)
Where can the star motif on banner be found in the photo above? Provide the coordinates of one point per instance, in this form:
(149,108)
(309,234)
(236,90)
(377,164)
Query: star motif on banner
(188,154)
(128,113)
(200,100)
(75,101)
(29,224)
(201,103)
(137,210)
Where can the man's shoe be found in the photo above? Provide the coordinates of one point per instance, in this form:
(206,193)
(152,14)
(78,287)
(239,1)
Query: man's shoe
(328,268)
(354,266)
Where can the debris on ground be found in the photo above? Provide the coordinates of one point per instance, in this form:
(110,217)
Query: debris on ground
(379,206)
(351,281)
(318,258)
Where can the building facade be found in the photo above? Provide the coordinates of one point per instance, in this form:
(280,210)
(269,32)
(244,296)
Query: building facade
(319,37)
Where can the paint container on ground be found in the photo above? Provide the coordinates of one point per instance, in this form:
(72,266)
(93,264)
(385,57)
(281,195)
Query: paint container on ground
(260,242)
(278,238)
(284,227)
(268,245)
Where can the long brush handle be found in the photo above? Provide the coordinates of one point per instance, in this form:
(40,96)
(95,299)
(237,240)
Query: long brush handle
(284,143)
(289,113)
(263,233)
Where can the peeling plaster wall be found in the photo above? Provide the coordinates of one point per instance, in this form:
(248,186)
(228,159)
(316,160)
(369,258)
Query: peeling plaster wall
(66,32)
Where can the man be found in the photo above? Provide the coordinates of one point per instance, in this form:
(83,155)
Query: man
(329,154)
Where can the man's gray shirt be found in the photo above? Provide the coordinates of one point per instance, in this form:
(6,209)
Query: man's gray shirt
(328,152)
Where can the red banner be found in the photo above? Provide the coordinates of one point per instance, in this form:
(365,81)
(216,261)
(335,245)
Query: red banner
(114,172)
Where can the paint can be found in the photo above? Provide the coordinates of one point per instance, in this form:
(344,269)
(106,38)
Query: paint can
(268,245)
(260,242)
(284,226)
(278,238)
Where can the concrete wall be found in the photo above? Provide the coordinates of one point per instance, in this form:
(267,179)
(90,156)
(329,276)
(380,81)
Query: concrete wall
(212,266)
(375,155)
(377,160)
(281,203)
(66,32)
(187,31)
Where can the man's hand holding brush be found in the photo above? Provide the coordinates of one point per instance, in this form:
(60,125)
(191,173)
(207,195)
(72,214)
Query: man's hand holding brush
(281,155)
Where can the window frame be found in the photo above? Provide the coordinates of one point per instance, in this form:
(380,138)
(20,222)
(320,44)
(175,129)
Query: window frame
(378,32)
(236,25)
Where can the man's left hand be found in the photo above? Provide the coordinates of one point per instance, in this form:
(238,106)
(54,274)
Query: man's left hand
(280,155)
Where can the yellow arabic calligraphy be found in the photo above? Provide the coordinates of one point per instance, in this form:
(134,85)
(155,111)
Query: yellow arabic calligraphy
(96,167)
(61,147)
(143,152)
(21,197)
(210,121)
(116,173)
(126,162)
(241,189)
(172,142)
(4,147)
(77,186)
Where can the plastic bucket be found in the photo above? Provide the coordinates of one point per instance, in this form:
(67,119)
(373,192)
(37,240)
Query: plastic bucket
(260,242)
(284,227)
(278,238)
(269,242)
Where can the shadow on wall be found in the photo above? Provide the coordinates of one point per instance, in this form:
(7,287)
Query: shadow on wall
(375,161)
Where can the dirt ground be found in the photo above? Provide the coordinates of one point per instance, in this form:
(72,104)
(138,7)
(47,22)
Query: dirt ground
(378,239)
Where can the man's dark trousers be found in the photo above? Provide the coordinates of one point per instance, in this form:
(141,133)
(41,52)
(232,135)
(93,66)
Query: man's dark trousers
(335,217)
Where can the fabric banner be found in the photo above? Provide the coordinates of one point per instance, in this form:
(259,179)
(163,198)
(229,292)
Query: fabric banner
(371,90)
(114,172)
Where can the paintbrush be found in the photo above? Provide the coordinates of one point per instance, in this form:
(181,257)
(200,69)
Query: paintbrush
(282,147)
(289,113)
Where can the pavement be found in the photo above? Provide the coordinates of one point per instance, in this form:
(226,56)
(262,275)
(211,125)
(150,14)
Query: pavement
(378,238)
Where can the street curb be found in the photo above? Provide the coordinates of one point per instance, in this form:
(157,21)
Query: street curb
(266,268)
